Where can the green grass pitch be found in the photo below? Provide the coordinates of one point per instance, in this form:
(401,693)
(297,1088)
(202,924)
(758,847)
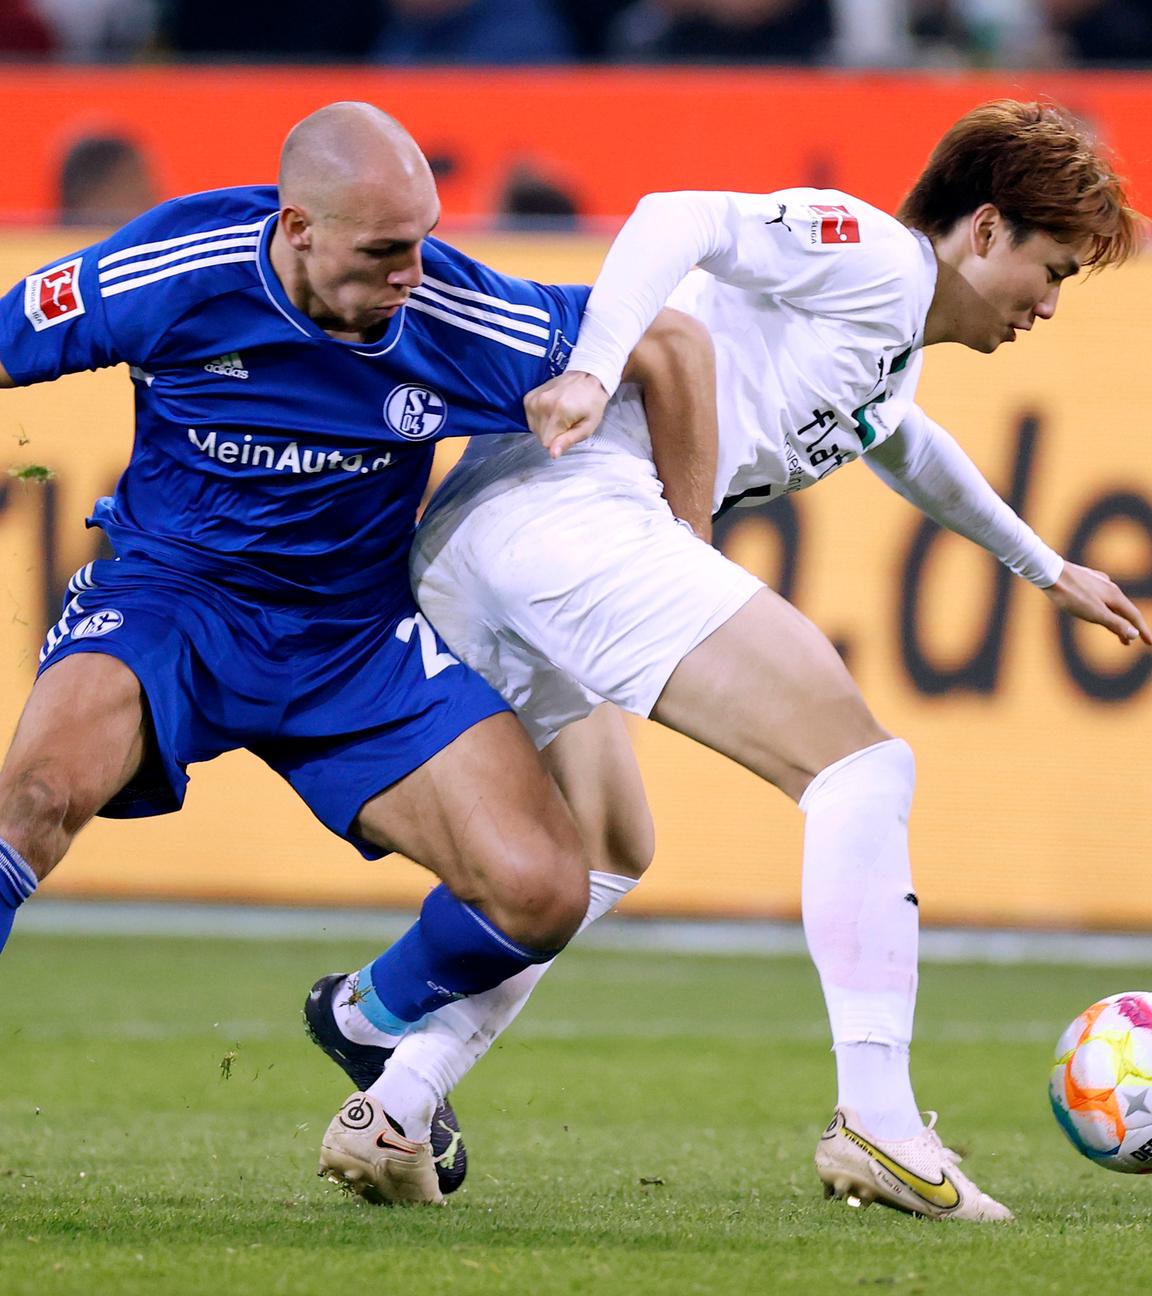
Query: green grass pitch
(646,1127)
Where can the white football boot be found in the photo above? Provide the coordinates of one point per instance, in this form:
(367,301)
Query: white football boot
(364,1152)
(919,1175)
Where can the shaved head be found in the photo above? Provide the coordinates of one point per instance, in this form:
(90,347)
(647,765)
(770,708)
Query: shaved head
(357,201)
(346,154)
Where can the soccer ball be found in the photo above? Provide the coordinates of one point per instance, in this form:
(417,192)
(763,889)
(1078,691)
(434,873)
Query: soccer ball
(1101,1083)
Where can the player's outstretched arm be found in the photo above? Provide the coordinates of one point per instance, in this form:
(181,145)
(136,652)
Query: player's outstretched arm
(675,364)
(926,466)
(1094,596)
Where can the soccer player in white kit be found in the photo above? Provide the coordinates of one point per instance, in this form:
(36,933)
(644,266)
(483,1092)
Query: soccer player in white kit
(570,581)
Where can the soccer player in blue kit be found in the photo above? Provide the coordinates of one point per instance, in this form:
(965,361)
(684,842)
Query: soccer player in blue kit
(259,595)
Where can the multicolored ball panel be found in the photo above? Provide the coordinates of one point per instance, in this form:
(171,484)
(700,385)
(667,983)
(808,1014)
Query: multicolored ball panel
(1101,1083)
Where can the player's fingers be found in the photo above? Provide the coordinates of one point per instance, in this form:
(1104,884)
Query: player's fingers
(561,444)
(567,439)
(1135,624)
(1104,616)
(541,420)
(540,409)
(1104,602)
(1087,604)
(555,425)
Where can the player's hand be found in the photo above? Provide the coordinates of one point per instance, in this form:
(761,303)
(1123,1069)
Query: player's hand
(1094,596)
(565,410)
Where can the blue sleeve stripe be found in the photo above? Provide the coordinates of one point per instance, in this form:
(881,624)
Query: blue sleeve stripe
(517,344)
(135,267)
(502,303)
(141,248)
(520,326)
(127,285)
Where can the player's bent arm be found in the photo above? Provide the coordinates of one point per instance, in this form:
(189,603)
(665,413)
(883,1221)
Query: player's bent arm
(5,377)
(675,364)
(567,409)
(661,241)
(925,465)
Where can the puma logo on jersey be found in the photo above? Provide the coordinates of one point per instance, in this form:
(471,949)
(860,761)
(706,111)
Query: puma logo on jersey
(230,365)
(779,220)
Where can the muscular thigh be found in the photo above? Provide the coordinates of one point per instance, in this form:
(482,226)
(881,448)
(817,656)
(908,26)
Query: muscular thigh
(83,733)
(770,691)
(483,814)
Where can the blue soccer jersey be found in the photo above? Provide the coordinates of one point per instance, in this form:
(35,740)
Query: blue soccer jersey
(269,455)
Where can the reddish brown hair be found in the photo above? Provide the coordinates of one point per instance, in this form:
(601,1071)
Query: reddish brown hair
(1039,167)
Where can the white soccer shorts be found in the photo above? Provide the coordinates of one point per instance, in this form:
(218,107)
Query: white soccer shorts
(568,589)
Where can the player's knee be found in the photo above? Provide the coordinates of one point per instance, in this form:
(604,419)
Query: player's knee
(627,848)
(34,806)
(543,901)
(881,773)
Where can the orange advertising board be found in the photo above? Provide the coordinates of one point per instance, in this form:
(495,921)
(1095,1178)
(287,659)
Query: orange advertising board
(608,135)
(1031,736)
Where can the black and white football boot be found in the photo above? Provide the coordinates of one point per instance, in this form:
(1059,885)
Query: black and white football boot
(363,1064)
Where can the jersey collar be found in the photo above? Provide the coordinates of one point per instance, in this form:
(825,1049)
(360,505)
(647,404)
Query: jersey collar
(299,321)
(928,287)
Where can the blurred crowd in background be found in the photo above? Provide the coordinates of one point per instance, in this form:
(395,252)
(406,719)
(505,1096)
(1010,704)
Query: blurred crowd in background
(854,33)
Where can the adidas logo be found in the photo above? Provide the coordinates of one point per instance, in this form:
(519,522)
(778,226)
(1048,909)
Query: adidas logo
(230,365)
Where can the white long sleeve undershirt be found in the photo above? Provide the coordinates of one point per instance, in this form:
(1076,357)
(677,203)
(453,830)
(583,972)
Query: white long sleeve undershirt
(666,236)
(924,464)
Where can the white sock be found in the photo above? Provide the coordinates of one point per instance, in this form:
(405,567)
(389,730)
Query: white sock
(873,1081)
(407,1098)
(449,1042)
(352,1022)
(861,921)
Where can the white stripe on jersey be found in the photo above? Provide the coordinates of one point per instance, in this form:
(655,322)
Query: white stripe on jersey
(60,629)
(134,267)
(517,344)
(141,248)
(467,294)
(126,285)
(82,580)
(429,294)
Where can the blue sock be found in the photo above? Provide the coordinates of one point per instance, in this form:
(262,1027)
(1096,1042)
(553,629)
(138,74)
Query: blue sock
(17,882)
(451,951)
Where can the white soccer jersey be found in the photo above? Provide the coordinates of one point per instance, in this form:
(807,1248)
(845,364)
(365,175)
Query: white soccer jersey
(568,582)
(816,303)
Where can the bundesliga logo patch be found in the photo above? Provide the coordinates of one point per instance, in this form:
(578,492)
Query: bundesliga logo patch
(832,226)
(53,295)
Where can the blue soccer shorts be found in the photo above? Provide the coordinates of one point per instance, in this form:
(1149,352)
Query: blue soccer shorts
(340,698)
